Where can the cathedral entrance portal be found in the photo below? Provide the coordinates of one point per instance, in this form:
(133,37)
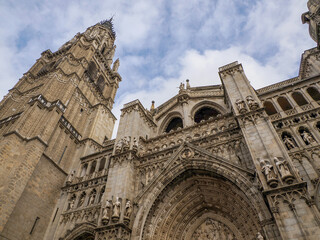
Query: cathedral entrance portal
(201,205)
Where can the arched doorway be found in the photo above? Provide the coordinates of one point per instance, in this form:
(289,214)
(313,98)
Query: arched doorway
(198,204)
(200,195)
(85,236)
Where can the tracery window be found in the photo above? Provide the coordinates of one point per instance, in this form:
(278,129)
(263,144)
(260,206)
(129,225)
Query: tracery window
(299,98)
(269,107)
(284,103)
(205,113)
(174,124)
(314,93)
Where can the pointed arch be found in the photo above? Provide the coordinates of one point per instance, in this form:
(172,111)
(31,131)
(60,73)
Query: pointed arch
(269,107)
(284,103)
(299,98)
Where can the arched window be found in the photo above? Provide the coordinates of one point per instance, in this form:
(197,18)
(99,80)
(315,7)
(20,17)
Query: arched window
(102,164)
(284,103)
(92,71)
(314,93)
(299,98)
(205,113)
(93,167)
(270,109)
(288,140)
(101,83)
(174,124)
(306,135)
(103,48)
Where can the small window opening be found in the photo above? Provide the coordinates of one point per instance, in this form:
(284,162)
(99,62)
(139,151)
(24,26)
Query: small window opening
(314,93)
(284,103)
(102,164)
(269,107)
(299,98)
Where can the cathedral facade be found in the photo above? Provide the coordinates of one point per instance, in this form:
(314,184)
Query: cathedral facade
(215,162)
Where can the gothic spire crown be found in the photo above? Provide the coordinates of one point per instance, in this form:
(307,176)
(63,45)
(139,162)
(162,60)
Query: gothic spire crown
(109,25)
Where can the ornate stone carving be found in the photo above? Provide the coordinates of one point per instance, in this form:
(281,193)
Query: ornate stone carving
(252,103)
(116,210)
(213,230)
(307,137)
(187,153)
(259,236)
(70,178)
(135,145)
(284,170)
(241,106)
(106,213)
(268,171)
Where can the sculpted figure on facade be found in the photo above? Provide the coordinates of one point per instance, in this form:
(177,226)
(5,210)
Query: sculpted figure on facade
(92,198)
(106,213)
(135,145)
(116,209)
(241,106)
(70,178)
(72,202)
(259,236)
(307,137)
(284,170)
(128,210)
(252,103)
(269,173)
(116,65)
(289,142)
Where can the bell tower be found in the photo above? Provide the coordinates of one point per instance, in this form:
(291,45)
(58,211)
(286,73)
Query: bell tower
(58,111)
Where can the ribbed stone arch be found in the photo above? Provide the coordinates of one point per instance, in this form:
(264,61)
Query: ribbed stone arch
(219,173)
(81,232)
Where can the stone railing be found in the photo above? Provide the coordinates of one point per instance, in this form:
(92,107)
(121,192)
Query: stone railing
(48,104)
(11,118)
(71,129)
(277,85)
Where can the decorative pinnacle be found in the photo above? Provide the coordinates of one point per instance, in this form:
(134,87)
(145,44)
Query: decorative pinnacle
(152,106)
(109,25)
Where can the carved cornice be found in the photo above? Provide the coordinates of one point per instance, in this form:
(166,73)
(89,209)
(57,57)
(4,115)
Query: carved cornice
(11,118)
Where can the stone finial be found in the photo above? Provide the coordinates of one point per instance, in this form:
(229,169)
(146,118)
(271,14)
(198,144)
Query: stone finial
(116,65)
(152,106)
(188,84)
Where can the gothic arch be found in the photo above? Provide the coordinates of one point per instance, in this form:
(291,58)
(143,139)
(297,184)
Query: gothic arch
(168,119)
(208,104)
(81,232)
(178,185)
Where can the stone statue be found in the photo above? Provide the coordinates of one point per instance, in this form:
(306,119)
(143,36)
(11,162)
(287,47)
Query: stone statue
(181,87)
(135,144)
(128,211)
(81,200)
(119,146)
(70,178)
(284,170)
(289,142)
(71,204)
(268,171)
(106,213)
(92,198)
(259,236)
(116,65)
(116,208)
(252,103)
(307,137)
(241,106)
(125,143)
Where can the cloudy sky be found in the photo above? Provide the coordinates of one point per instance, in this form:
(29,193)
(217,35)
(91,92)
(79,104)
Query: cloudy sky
(161,43)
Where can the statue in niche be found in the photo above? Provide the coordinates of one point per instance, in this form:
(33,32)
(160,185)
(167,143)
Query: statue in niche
(116,65)
(307,137)
(92,198)
(106,213)
(268,171)
(70,178)
(252,103)
(128,210)
(81,200)
(289,142)
(71,204)
(241,106)
(284,170)
(116,209)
